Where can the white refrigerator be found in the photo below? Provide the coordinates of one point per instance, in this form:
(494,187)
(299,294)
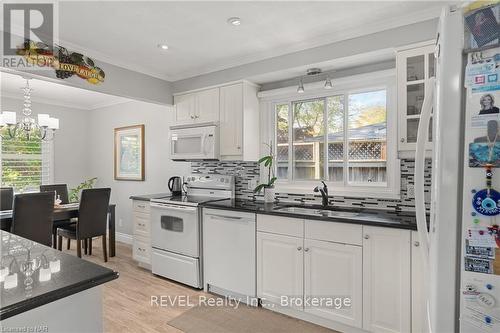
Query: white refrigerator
(458,243)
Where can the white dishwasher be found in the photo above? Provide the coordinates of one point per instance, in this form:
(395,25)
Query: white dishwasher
(229,266)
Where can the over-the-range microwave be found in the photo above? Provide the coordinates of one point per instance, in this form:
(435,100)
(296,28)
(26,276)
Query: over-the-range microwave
(194,143)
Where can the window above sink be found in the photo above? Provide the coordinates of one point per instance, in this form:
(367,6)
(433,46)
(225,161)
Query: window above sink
(345,136)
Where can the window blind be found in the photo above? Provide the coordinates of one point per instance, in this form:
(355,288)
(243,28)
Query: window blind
(25,165)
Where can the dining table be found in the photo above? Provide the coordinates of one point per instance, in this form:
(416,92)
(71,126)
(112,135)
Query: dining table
(66,212)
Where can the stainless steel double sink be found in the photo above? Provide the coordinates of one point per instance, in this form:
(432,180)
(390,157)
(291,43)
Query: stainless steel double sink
(317,212)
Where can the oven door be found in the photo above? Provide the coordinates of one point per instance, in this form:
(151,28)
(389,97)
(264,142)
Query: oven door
(194,143)
(175,228)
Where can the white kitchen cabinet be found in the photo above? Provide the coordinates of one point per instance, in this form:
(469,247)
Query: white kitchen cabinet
(185,106)
(239,122)
(386,280)
(418,306)
(197,107)
(207,106)
(334,270)
(280,267)
(141,247)
(415,66)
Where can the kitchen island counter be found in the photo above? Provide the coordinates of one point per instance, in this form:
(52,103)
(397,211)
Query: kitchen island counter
(36,278)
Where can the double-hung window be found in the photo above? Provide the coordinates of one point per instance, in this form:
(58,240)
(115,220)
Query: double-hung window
(25,164)
(345,137)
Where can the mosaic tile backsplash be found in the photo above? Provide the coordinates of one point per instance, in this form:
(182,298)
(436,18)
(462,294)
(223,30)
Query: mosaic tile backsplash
(246,172)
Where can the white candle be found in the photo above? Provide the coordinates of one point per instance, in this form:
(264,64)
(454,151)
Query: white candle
(10,281)
(55,266)
(3,273)
(45,274)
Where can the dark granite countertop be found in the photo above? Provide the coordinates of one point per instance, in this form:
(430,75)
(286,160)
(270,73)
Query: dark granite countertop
(365,216)
(148,197)
(54,275)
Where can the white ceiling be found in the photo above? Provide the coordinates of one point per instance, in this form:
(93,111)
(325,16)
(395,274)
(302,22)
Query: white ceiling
(126,33)
(54,93)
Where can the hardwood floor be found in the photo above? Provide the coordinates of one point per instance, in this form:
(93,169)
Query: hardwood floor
(127,300)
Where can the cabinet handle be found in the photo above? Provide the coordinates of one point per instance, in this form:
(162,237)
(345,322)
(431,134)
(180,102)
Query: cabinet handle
(416,243)
(367,236)
(192,117)
(238,147)
(306,249)
(299,248)
(402,140)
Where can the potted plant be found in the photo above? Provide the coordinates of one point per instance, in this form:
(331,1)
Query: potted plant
(269,190)
(74,193)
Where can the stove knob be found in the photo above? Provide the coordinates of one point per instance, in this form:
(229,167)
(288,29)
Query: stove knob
(489,286)
(487,320)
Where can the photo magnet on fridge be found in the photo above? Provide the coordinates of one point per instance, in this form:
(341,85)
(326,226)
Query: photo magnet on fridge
(479,155)
(482,24)
(485,150)
(484,108)
(478,265)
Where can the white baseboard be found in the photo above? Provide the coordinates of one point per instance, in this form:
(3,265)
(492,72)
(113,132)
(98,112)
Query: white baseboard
(124,238)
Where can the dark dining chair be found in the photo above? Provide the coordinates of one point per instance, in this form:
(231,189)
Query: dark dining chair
(6,198)
(92,220)
(32,216)
(60,190)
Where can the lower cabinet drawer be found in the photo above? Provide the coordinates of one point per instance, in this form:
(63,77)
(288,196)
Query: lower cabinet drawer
(141,206)
(141,250)
(142,225)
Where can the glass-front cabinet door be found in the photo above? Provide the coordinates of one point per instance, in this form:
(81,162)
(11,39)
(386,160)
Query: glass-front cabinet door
(414,66)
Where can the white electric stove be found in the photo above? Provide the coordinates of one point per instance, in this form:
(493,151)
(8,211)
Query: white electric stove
(176,227)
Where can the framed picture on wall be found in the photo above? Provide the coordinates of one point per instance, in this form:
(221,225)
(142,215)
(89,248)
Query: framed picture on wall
(129,153)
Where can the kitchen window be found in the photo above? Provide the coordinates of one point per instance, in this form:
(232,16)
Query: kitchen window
(25,164)
(345,137)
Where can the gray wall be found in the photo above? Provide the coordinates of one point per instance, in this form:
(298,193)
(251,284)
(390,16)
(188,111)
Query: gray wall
(70,143)
(159,167)
(396,37)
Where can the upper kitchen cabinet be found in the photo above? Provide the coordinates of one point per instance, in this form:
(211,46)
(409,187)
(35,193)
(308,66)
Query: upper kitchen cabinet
(234,108)
(239,122)
(415,66)
(197,107)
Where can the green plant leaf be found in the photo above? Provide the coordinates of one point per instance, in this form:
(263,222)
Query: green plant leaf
(259,188)
(263,159)
(271,182)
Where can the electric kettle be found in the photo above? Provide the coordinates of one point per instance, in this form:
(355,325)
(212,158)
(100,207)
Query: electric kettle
(175,185)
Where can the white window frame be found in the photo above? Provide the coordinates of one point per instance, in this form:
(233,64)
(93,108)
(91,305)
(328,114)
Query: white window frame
(342,86)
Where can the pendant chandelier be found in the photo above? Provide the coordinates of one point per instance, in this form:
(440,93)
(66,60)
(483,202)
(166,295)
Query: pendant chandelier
(27,127)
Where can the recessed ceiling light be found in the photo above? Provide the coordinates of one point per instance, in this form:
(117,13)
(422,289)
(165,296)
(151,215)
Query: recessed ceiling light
(163,46)
(234,20)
